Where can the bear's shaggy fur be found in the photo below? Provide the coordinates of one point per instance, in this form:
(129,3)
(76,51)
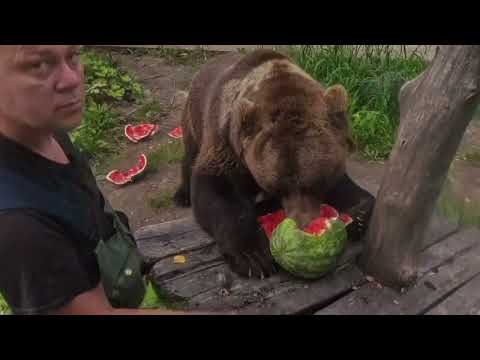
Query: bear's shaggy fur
(258,125)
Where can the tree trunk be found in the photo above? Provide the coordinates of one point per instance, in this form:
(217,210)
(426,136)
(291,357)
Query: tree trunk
(436,109)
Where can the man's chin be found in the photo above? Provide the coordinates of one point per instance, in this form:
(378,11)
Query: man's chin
(71,123)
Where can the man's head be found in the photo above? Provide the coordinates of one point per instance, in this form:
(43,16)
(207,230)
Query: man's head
(41,86)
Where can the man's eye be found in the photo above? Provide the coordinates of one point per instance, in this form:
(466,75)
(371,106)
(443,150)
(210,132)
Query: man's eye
(75,58)
(40,66)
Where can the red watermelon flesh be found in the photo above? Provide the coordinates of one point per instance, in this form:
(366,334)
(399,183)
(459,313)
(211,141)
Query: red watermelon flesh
(270,222)
(118,178)
(326,211)
(346,219)
(123,177)
(318,226)
(139,132)
(176,133)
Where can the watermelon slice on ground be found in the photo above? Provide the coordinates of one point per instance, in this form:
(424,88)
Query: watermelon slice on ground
(176,133)
(118,177)
(136,133)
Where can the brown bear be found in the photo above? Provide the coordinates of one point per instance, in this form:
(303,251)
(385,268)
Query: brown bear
(257,125)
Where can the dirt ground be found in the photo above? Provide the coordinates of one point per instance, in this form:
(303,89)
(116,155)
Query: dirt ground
(167,83)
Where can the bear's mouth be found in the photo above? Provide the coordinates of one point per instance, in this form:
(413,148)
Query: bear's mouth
(302,207)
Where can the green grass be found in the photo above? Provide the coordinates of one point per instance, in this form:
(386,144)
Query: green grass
(464,212)
(165,154)
(163,200)
(373,76)
(148,111)
(460,210)
(473,157)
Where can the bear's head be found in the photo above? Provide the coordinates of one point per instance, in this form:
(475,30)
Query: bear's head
(293,137)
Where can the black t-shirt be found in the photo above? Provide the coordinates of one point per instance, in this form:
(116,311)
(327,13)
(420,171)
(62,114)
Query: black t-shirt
(44,263)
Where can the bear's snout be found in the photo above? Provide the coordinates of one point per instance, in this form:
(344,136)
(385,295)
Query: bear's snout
(301,207)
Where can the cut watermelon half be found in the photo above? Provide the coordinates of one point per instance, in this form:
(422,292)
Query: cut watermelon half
(347,219)
(326,211)
(118,177)
(318,226)
(136,133)
(270,222)
(176,133)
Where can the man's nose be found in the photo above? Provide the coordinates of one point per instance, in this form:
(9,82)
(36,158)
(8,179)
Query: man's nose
(70,78)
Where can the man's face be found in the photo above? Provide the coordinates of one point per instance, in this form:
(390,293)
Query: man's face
(42,86)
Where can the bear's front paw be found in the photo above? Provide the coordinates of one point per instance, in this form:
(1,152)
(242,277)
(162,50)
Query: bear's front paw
(257,263)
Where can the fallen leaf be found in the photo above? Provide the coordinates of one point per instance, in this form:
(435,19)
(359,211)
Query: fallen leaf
(179,259)
(396,302)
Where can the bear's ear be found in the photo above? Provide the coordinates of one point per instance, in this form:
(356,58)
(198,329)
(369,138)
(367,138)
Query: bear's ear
(337,99)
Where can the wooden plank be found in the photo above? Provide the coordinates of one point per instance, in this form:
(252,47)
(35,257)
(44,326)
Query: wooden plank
(201,278)
(443,267)
(203,284)
(284,294)
(169,239)
(439,229)
(465,301)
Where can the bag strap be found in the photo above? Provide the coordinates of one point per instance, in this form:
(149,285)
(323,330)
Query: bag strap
(19,192)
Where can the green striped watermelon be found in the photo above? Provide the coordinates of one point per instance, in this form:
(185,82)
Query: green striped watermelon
(308,253)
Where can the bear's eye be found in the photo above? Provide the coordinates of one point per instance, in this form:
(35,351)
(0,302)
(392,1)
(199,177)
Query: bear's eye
(248,127)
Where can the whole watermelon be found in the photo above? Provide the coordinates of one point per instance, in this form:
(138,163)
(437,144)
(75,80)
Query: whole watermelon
(308,253)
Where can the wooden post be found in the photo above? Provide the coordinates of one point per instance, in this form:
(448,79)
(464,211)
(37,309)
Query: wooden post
(436,109)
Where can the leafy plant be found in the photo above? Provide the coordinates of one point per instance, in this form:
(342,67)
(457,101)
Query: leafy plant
(106,81)
(93,134)
(373,76)
(4,308)
(107,85)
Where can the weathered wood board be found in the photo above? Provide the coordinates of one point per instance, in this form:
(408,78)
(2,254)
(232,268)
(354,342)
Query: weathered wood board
(444,267)
(465,301)
(206,282)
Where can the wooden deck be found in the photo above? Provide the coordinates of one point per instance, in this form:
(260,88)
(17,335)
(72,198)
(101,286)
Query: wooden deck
(449,280)
(449,274)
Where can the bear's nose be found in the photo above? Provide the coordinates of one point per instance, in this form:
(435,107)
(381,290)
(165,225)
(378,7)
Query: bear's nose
(301,207)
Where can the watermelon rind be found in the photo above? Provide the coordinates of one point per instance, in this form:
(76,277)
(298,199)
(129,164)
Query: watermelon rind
(305,255)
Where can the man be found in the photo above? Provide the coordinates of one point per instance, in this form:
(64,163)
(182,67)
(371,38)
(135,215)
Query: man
(47,267)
